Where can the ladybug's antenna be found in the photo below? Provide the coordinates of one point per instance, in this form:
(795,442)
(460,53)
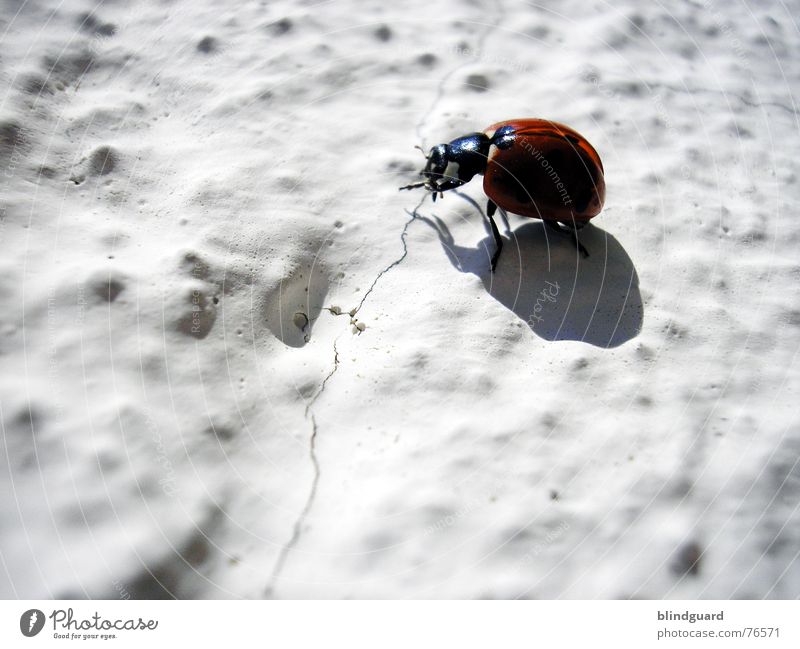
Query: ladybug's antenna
(423,183)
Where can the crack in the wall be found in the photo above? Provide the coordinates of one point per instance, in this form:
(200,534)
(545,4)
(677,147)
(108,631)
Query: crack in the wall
(312,451)
(725,93)
(396,262)
(283,556)
(301,519)
(317,394)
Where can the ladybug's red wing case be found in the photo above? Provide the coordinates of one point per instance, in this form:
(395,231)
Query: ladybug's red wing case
(545,128)
(548,171)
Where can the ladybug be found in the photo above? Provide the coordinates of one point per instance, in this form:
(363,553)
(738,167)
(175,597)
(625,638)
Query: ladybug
(531,167)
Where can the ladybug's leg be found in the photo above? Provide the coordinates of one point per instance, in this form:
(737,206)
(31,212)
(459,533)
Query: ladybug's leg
(571,232)
(491,206)
(448,184)
(414,185)
(504,216)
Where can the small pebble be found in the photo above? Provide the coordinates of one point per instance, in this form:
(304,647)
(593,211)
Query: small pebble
(300,320)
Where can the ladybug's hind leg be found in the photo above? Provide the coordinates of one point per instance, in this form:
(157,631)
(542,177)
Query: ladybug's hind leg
(572,232)
(491,206)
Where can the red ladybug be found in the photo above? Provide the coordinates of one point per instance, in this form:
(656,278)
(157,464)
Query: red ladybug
(531,167)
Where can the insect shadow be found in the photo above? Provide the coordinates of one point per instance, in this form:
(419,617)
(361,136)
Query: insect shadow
(542,278)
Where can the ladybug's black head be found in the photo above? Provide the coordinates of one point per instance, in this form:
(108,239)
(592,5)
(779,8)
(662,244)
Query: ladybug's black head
(451,165)
(437,164)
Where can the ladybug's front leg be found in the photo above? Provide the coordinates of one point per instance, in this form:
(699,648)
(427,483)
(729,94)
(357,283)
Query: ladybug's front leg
(438,187)
(491,206)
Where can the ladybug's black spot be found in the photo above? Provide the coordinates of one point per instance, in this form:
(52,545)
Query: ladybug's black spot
(556,160)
